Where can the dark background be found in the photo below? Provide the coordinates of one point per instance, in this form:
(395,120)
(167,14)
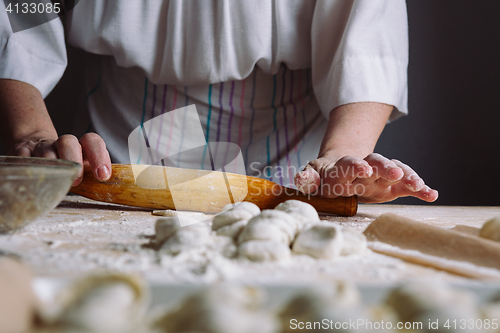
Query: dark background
(451,136)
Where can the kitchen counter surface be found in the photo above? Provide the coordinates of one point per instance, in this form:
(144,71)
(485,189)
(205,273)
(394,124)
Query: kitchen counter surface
(82,236)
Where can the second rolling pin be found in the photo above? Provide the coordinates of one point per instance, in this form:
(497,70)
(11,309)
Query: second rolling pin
(433,246)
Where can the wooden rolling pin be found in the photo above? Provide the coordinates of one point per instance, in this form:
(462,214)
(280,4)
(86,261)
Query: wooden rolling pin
(205,191)
(433,246)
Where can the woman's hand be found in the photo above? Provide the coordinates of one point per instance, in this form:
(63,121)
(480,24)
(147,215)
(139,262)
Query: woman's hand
(373,179)
(27,130)
(347,166)
(90,149)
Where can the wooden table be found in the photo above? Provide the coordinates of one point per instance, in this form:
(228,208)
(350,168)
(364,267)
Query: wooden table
(82,236)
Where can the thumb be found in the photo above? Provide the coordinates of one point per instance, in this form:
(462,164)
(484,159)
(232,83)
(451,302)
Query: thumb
(308,180)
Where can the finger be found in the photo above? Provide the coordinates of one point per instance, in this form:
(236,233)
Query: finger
(68,148)
(45,149)
(307,180)
(345,170)
(426,193)
(22,151)
(384,168)
(98,157)
(411,179)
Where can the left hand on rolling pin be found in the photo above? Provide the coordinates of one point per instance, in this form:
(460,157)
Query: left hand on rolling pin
(374,179)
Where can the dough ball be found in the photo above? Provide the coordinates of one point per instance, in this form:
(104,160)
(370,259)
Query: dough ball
(261,230)
(354,242)
(108,303)
(241,211)
(249,207)
(166,227)
(229,217)
(412,300)
(232,230)
(186,239)
(164,212)
(302,211)
(491,229)
(281,220)
(320,241)
(220,309)
(257,250)
(226,208)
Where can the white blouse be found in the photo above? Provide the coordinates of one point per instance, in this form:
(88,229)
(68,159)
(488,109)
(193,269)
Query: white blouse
(261,72)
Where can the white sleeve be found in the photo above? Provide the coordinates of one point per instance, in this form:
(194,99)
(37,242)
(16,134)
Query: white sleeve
(36,56)
(360,53)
